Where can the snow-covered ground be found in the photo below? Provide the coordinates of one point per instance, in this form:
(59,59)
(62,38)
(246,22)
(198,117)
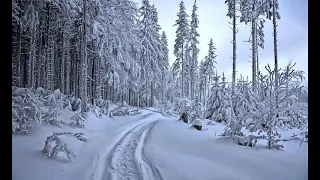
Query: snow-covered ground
(154,146)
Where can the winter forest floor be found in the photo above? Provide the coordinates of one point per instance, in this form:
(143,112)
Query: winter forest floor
(154,146)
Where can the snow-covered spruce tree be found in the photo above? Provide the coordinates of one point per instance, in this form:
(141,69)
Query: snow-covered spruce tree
(214,99)
(208,69)
(164,64)
(151,47)
(232,9)
(202,81)
(179,45)
(266,115)
(294,109)
(197,110)
(193,50)
(219,107)
(225,111)
(241,101)
(156,66)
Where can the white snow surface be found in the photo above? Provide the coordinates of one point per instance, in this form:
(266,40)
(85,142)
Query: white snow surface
(151,146)
(197,122)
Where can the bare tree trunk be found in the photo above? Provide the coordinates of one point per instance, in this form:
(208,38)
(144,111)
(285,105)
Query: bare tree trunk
(182,72)
(50,53)
(275,52)
(67,69)
(205,91)
(83,82)
(253,31)
(234,47)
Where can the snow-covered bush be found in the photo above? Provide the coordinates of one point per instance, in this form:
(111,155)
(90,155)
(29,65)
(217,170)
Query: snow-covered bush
(249,140)
(120,112)
(54,103)
(104,106)
(197,110)
(185,110)
(235,128)
(26,111)
(197,123)
(78,120)
(268,111)
(75,104)
(242,103)
(219,107)
(54,145)
(125,111)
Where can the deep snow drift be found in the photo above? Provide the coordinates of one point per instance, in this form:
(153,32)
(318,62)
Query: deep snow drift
(151,146)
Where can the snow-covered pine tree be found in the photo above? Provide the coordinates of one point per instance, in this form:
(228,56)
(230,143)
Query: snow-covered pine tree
(210,66)
(219,107)
(193,49)
(179,45)
(213,101)
(164,64)
(202,81)
(151,47)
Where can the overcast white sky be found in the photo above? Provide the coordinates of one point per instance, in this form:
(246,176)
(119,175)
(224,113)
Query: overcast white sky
(213,23)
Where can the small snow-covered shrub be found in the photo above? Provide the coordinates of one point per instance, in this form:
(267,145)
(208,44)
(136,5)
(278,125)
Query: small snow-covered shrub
(16,91)
(197,123)
(26,112)
(55,102)
(97,111)
(41,91)
(219,107)
(54,145)
(196,111)
(78,120)
(124,111)
(235,127)
(120,112)
(75,104)
(134,112)
(185,107)
(103,106)
(249,140)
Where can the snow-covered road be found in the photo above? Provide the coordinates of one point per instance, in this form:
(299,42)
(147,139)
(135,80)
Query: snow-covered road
(153,147)
(126,159)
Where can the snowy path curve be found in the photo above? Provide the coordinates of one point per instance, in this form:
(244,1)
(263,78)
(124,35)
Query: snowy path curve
(125,159)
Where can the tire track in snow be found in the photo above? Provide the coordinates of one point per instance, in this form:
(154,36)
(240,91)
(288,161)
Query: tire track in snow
(127,161)
(140,153)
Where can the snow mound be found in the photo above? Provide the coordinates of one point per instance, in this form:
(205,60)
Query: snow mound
(197,123)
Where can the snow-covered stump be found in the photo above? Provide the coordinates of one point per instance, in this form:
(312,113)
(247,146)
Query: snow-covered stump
(197,123)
